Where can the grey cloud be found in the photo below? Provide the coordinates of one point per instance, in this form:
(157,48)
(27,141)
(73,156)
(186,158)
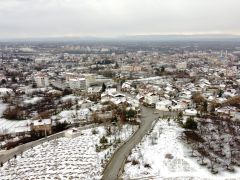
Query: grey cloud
(43,18)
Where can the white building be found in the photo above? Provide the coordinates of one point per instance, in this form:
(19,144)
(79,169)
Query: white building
(238,81)
(111,90)
(134,68)
(69,76)
(126,85)
(181,66)
(151,98)
(237,116)
(134,103)
(90,79)
(77,84)
(42,60)
(94,89)
(190,112)
(116,98)
(163,105)
(41,80)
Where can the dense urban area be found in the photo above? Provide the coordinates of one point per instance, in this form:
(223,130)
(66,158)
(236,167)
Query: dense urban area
(125,109)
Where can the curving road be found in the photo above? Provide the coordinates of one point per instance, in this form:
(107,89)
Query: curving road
(114,167)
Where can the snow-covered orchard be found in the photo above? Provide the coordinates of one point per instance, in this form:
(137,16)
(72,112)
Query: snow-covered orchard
(68,158)
(163,154)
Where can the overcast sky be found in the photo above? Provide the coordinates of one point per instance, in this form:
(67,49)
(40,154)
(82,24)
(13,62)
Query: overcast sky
(54,18)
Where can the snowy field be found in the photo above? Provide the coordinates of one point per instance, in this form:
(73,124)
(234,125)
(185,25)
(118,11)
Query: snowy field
(162,155)
(33,100)
(65,158)
(9,126)
(2,108)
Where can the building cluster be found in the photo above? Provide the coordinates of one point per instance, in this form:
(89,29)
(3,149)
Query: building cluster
(48,84)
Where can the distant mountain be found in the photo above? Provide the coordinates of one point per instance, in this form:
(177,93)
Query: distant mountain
(201,37)
(56,39)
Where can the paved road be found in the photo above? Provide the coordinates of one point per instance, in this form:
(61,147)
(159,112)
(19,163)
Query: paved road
(118,159)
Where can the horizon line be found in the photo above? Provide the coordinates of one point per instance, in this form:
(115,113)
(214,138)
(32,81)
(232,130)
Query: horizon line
(201,35)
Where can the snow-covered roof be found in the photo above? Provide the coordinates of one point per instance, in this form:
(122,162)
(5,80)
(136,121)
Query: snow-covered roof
(4,91)
(33,100)
(22,129)
(42,122)
(139,96)
(226,109)
(164,102)
(190,112)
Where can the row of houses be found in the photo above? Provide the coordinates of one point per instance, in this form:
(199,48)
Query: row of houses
(172,97)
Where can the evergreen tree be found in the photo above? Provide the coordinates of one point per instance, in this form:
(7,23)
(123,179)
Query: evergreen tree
(205,106)
(190,124)
(103,87)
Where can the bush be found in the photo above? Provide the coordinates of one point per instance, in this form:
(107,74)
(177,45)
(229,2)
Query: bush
(14,113)
(135,162)
(103,140)
(234,101)
(94,131)
(44,115)
(190,124)
(131,113)
(67,91)
(198,98)
(118,141)
(60,126)
(147,166)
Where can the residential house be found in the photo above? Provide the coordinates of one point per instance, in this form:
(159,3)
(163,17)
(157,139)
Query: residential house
(151,98)
(41,80)
(190,112)
(77,84)
(163,105)
(42,127)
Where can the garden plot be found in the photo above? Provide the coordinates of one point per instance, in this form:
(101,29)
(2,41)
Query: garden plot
(163,155)
(9,126)
(67,158)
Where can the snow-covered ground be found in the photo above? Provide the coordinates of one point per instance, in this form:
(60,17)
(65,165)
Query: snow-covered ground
(65,158)
(69,97)
(162,155)
(69,115)
(5,91)
(2,108)
(10,126)
(33,100)
(29,90)
(7,126)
